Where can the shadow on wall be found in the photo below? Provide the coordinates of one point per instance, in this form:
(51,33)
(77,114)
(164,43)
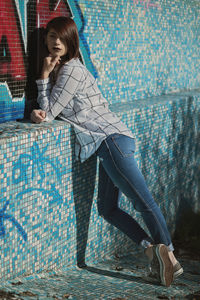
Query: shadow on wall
(187,233)
(176,171)
(37,51)
(175,186)
(83,180)
(186,156)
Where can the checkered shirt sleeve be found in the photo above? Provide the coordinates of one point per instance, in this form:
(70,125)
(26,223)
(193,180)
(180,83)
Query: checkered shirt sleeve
(67,83)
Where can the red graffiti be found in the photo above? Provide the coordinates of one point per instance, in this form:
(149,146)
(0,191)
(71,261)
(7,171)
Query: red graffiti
(12,48)
(46,10)
(11,43)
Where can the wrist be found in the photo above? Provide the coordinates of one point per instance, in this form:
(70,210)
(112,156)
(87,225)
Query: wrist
(44,75)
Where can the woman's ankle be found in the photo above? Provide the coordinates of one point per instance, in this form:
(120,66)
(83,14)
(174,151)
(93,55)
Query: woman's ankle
(149,252)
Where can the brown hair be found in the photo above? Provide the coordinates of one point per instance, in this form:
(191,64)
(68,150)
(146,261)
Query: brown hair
(67,31)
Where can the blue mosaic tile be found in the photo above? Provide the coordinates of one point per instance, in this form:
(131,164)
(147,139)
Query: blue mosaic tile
(116,277)
(41,194)
(140,52)
(161,41)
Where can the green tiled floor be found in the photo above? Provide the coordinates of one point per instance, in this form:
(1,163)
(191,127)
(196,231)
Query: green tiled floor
(114,278)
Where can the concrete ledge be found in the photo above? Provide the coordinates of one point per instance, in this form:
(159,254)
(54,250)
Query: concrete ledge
(48,213)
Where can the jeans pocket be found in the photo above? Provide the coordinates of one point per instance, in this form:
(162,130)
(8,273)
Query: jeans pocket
(124,144)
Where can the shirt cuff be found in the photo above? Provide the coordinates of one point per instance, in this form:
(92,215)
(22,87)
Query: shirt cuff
(43,84)
(43,81)
(48,118)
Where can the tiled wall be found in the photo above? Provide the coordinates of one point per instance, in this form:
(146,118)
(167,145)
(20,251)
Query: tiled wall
(48,205)
(136,48)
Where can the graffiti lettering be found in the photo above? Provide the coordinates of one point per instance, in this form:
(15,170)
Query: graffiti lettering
(12,68)
(18,21)
(4,216)
(52,194)
(36,161)
(46,10)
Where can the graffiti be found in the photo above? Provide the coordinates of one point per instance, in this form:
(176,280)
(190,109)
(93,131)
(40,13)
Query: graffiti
(12,53)
(52,194)
(36,161)
(13,36)
(147,4)
(46,10)
(4,216)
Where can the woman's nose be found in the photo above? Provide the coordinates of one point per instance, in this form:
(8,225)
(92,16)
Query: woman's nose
(57,40)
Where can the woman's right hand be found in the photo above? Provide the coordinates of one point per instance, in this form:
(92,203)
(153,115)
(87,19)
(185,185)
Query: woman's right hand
(49,64)
(38,116)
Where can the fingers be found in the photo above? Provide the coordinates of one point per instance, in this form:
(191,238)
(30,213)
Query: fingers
(38,116)
(43,113)
(49,63)
(56,60)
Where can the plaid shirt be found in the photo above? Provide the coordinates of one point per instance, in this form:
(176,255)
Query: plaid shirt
(76,99)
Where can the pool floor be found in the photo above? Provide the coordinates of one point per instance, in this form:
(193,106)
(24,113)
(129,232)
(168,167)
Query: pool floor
(118,278)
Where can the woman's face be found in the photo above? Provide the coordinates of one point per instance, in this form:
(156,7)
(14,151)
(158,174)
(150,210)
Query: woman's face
(55,46)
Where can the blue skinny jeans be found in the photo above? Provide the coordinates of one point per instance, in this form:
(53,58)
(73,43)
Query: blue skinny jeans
(118,172)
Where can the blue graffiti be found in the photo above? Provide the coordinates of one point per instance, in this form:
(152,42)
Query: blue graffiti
(4,216)
(58,141)
(52,193)
(84,48)
(35,160)
(21,167)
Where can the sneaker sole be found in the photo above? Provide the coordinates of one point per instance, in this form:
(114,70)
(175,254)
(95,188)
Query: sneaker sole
(178,273)
(166,266)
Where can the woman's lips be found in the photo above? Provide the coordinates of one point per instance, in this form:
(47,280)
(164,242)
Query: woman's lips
(56,49)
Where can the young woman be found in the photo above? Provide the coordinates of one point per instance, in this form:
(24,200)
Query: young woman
(68,90)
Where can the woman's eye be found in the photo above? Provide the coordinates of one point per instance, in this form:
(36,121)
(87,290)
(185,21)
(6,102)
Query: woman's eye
(51,35)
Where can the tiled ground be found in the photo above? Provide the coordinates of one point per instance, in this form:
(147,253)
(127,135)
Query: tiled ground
(116,278)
